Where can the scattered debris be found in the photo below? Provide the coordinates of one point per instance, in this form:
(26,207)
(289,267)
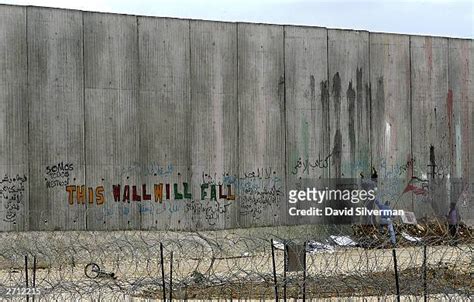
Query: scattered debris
(343,240)
(410,238)
(278,245)
(428,230)
(313,247)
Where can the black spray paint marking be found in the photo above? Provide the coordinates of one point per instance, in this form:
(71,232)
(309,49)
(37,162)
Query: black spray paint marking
(432,164)
(351,99)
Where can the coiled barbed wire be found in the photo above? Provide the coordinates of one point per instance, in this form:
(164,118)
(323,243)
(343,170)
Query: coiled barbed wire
(341,262)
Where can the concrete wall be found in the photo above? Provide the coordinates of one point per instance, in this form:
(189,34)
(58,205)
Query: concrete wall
(219,119)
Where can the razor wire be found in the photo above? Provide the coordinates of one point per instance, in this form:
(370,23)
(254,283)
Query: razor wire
(341,262)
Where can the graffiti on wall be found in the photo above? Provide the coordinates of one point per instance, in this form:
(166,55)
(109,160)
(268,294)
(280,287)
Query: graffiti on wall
(57,175)
(304,166)
(149,169)
(163,191)
(210,211)
(83,194)
(260,190)
(260,193)
(12,189)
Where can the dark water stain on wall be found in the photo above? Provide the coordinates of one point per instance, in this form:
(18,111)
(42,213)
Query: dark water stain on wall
(336,154)
(324,88)
(359,99)
(368,109)
(337,142)
(336,92)
(312,87)
(449,113)
(351,99)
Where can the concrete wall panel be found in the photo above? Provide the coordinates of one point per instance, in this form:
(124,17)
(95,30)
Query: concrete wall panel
(165,117)
(349,107)
(56,117)
(429,84)
(391,122)
(262,197)
(111,125)
(205,125)
(307,107)
(349,112)
(14,176)
(460,95)
(460,102)
(214,125)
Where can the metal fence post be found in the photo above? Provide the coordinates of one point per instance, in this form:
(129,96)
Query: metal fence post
(26,276)
(285,268)
(274,272)
(162,272)
(396,273)
(425,293)
(171,277)
(304,273)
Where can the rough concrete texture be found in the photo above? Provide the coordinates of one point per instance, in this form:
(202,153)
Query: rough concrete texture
(122,122)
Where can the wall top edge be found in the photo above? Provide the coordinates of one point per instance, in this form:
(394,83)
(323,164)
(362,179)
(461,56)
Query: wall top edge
(238,22)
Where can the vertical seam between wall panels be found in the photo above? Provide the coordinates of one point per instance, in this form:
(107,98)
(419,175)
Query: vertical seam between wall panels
(137,93)
(410,95)
(84,112)
(189,113)
(237,212)
(370,108)
(411,112)
(450,149)
(26,220)
(328,121)
(285,120)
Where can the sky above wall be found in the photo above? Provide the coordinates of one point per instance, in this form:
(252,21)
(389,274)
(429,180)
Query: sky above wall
(454,18)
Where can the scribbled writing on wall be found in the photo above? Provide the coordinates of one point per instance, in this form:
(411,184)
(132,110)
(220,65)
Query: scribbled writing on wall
(11,194)
(58,175)
(304,166)
(256,203)
(262,173)
(149,169)
(210,210)
(395,170)
(260,193)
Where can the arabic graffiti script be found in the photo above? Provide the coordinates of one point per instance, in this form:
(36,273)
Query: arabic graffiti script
(12,189)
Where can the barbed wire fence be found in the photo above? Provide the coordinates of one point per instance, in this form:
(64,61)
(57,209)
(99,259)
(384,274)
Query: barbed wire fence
(339,262)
